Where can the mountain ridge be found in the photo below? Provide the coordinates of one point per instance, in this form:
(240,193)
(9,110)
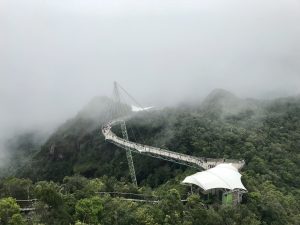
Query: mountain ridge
(79,147)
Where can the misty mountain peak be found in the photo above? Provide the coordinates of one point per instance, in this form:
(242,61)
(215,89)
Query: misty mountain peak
(220,100)
(219,96)
(95,108)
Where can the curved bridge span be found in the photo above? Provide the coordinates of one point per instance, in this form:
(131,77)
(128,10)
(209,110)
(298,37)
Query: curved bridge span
(191,161)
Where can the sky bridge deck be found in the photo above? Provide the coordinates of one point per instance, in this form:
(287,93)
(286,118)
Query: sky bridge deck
(193,161)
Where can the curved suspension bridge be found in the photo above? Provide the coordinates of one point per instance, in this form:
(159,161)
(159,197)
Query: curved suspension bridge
(129,146)
(188,160)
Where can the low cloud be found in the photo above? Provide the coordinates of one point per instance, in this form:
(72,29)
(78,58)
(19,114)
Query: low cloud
(56,55)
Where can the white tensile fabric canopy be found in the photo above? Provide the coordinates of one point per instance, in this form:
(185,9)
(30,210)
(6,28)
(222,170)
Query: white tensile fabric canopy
(137,109)
(224,176)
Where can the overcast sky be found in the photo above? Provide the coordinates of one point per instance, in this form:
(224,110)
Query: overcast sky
(55,55)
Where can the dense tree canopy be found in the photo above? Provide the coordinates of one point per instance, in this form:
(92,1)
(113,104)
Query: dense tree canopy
(81,164)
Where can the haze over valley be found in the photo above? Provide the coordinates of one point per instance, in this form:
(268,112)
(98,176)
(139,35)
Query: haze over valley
(135,112)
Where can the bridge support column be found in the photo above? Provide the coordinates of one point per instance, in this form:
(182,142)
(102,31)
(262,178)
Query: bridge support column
(129,154)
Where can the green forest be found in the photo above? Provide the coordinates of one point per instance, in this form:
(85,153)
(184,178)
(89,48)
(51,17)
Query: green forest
(65,176)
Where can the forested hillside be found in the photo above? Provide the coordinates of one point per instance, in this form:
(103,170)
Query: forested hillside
(266,134)
(20,150)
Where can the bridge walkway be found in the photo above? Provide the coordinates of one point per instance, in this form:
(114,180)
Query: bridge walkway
(192,161)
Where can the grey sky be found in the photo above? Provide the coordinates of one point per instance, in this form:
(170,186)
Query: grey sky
(57,54)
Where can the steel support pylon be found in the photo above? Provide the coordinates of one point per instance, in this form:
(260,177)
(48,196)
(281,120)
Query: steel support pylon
(125,136)
(129,154)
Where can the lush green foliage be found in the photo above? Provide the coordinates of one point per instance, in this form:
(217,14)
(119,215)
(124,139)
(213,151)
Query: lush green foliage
(265,134)
(10,212)
(67,203)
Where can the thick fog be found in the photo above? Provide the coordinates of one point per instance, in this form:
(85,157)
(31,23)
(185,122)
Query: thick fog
(55,55)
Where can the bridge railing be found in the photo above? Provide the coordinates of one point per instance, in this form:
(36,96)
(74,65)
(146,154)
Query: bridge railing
(203,162)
